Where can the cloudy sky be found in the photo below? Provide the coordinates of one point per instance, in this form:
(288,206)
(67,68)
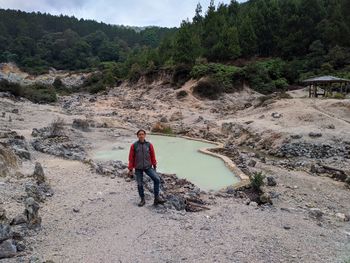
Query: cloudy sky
(127,12)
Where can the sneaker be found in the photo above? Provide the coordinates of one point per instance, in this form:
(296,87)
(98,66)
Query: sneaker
(142,202)
(158,201)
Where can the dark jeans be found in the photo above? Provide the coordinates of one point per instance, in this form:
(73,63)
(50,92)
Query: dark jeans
(139,179)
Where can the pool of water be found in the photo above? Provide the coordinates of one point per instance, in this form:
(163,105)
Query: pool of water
(181,157)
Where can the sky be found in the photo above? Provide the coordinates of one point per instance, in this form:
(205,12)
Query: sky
(166,13)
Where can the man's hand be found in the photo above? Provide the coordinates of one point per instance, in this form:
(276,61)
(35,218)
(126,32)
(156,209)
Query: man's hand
(130,174)
(155,167)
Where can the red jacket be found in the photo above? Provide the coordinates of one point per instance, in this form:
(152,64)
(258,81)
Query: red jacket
(132,156)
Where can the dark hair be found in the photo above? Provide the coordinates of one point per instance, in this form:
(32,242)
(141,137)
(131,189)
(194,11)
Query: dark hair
(141,130)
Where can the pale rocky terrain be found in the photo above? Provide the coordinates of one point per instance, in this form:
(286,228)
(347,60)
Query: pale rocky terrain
(92,215)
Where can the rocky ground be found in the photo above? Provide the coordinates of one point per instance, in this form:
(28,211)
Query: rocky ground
(81,210)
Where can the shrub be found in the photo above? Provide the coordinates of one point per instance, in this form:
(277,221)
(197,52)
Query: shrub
(257,181)
(181,94)
(162,128)
(39,93)
(229,77)
(208,88)
(14,88)
(57,127)
(338,96)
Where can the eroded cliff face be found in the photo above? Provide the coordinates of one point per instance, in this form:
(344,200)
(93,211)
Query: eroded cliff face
(12,73)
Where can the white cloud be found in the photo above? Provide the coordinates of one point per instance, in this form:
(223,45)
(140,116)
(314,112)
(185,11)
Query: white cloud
(127,12)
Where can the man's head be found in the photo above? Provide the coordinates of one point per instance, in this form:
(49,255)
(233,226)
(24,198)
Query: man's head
(141,134)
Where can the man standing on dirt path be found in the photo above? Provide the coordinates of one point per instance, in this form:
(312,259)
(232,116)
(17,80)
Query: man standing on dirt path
(142,157)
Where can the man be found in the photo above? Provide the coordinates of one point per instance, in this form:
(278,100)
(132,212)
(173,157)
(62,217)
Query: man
(142,157)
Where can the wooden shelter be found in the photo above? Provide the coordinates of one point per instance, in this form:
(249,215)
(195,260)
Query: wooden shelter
(326,85)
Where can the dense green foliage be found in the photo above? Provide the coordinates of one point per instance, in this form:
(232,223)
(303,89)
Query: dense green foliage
(35,93)
(38,41)
(273,43)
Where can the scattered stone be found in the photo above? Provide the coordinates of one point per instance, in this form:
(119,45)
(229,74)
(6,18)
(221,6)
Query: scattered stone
(7,249)
(316,213)
(296,136)
(38,174)
(315,134)
(18,220)
(176,116)
(33,191)
(20,246)
(3,114)
(5,232)
(164,119)
(331,126)
(80,124)
(341,216)
(253,204)
(265,198)
(286,227)
(276,115)
(76,210)
(32,213)
(230,190)
(252,163)
(3,217)
(271,181)
(15,111)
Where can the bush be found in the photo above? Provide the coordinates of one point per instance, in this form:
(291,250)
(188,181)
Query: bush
(14,88)
(162,128)
(338,96)
(208,88)
(37,93)
(257,181)
(181,94)
(229,77)
(57,127)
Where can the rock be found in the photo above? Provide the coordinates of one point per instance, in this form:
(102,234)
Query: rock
(276,115)
(271,181)
(252,163)
(3,114)
(39,173)
(253,204)
(176,116)
(20,246)
(20,219)
(286,227)
(315,134)
(32,213)
(296,136)
(316,213)
(341,216)
(76,210)
(7,249)
(33,191)
(3,217)
(178,202)
(164,119)
(80,124)
(265,198)
(330,126)
(230,190)
(5,232)
(15,111)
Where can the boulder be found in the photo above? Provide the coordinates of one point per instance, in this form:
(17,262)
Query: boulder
(271,181)
(34,192)
(38,174)
(7,249)
(315,134)
(5,232)
(32,213)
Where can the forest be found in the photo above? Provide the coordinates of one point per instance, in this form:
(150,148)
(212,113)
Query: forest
(272,44)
